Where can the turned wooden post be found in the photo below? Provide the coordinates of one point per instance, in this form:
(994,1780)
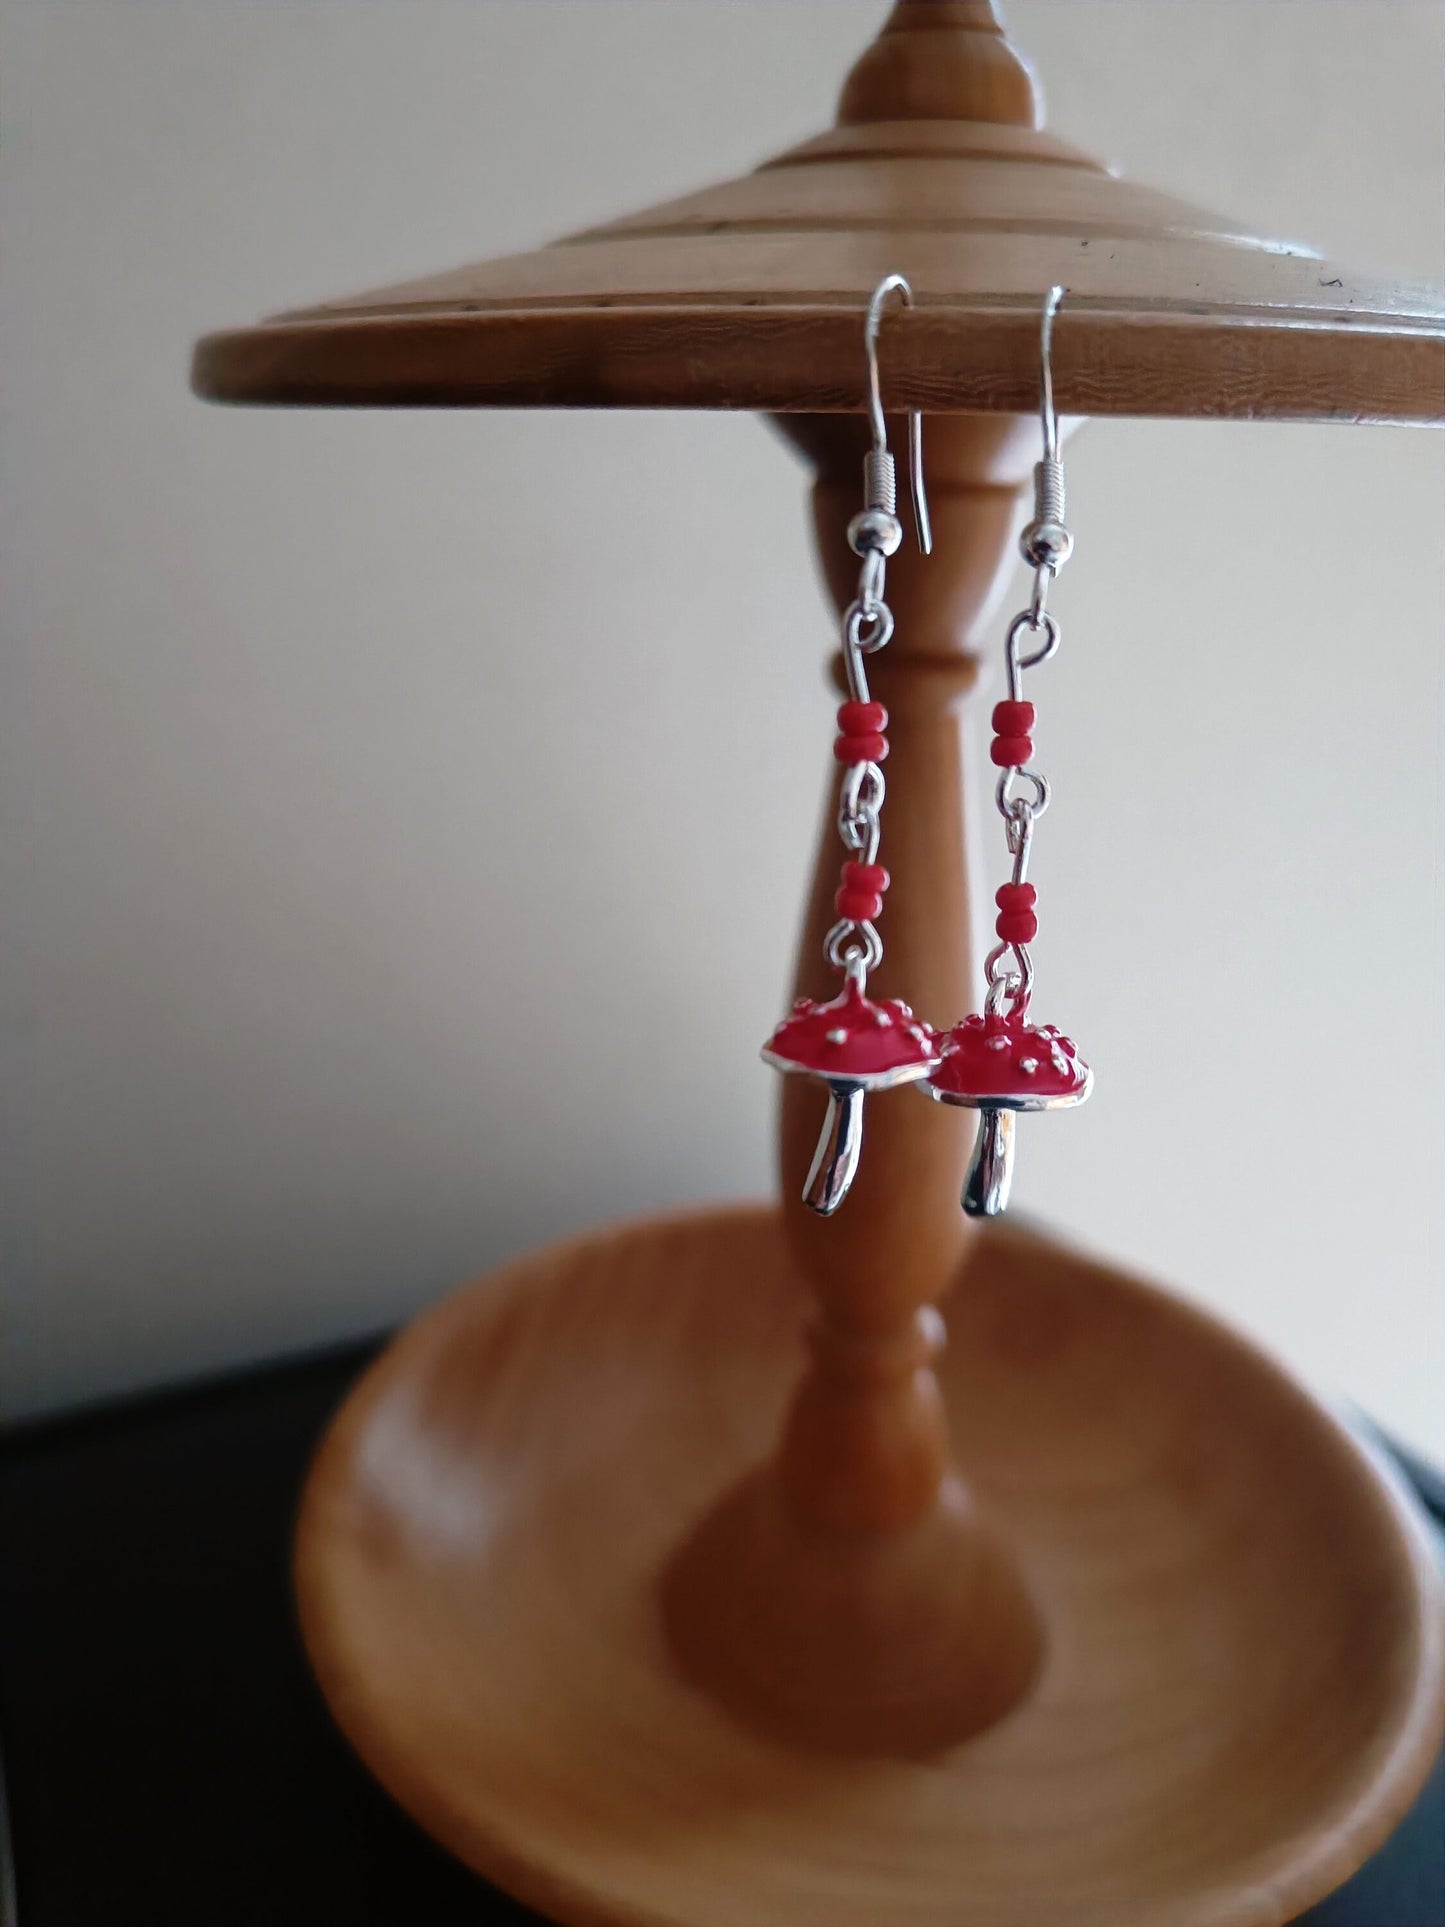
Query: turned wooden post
(865,1445)
(848,1593)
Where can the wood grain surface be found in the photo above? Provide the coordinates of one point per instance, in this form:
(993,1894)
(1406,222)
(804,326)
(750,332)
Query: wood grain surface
(1243,1636)
(747,295)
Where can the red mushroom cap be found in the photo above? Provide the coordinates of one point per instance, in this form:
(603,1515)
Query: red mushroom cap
(1002,1060)
(853,1038)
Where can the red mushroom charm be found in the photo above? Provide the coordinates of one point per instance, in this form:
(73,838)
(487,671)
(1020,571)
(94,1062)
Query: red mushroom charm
(852,1045)
(998,1064)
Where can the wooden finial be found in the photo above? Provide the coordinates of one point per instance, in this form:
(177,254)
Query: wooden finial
(942,60)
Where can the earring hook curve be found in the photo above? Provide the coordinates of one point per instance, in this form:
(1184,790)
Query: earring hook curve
(1048,414)
(890,284)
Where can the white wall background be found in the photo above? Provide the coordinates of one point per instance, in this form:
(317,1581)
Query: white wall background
(359,808)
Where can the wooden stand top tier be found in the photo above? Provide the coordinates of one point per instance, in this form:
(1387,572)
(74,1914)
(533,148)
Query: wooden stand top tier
(748,295)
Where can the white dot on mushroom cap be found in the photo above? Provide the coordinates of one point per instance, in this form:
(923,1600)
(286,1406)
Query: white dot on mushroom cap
(1060,1062)
(1028,1065)
(882,1020)
(997,1043)
(837,1036)
(917,1032)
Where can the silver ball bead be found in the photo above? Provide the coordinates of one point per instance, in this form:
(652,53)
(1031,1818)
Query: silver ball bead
(1046,545)
(875,530)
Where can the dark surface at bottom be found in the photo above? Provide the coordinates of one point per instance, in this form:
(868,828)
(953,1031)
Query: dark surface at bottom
(169,1761)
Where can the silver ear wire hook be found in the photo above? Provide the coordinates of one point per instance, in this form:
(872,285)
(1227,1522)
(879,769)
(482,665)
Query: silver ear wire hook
(888,285)
(1047,413)
(1046,543)
(836,1042)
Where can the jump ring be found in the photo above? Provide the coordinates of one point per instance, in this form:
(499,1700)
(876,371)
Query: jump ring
(863,790)
(878,614)
(1016,663)
(1008,804)
(871,954)
(862,832)
(1015,983)
(1019,824)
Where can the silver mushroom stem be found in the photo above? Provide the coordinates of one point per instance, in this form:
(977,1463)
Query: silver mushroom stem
(836,1159)
(991,1171)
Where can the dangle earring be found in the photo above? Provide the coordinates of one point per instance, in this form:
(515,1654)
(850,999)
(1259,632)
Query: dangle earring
(851,1044)
(997,1063)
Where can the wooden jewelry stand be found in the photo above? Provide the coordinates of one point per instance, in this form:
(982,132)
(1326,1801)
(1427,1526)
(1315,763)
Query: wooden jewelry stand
(654,1615)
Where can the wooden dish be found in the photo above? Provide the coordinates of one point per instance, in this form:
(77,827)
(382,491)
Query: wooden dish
(1244,1639)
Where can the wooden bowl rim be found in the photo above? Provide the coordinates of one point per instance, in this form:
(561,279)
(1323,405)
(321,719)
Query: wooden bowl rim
(486,1849)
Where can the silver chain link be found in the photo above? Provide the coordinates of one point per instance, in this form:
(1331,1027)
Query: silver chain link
(867,627)
(873,535)
(1046,544)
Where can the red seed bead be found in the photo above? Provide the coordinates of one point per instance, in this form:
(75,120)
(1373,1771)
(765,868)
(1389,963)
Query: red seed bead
(865,876)
(1017,926)
(858,906)
(860,749)
(862,719)
(1013,719)
(1016,896)
(1011,752)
